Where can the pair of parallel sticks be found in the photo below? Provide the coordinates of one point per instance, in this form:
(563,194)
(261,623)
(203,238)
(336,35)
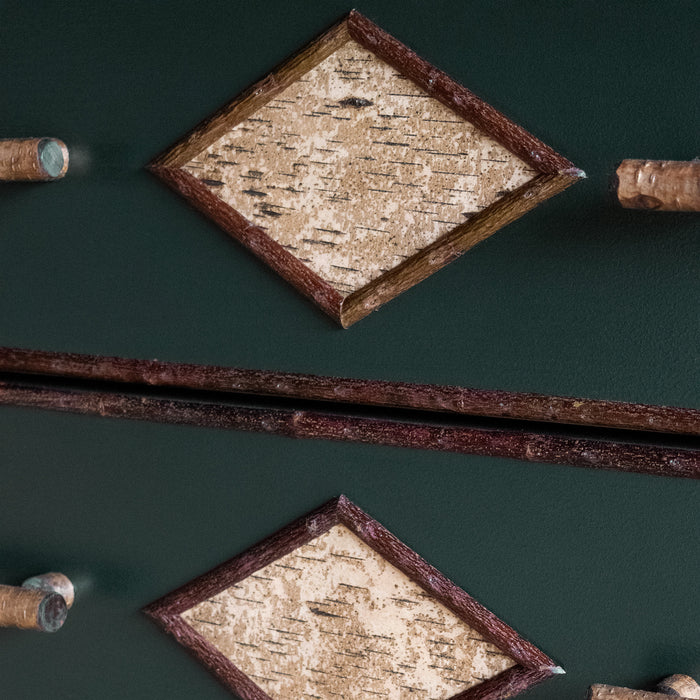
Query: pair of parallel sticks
(424,429)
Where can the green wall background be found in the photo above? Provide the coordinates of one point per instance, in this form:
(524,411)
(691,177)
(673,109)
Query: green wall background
(598,569)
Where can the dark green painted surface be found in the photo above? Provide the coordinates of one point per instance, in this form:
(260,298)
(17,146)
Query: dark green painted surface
(599,569)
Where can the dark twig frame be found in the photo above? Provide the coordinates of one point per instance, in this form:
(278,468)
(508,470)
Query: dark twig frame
(532,665)
(555,173)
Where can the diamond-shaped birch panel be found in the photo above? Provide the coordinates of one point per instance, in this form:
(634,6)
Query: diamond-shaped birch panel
(334,606)
(357,169)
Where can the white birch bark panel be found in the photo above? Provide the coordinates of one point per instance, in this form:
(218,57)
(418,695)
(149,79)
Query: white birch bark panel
(333,619)
(354,168)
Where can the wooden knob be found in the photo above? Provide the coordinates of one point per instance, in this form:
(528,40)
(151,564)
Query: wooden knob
(660,185)
(600,691)
(40,603)
(35,159)
(680,685)
(31,609)
(53,583)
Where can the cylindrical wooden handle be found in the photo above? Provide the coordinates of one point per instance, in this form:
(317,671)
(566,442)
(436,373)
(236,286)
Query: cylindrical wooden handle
(680,685)
(600,691)
(660,185)
(31,609)
(32,159)
(683,686)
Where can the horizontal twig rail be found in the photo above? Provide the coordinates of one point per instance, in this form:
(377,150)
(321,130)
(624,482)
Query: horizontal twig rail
(527,446)
(361,392)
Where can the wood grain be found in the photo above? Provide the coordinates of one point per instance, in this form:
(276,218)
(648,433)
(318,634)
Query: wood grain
(458,98)
(254,97)
(424,397)
(32,159)
(451,246)
(30,609)
(357,169)
(601,691)
(658,185)
(309,537)
(521,445)
(254,238)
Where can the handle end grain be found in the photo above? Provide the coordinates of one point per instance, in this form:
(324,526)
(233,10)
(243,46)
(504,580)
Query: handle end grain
(52,613)
(31,609)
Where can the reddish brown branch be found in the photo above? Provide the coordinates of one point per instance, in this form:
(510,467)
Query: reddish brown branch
(458,98)
(253,237)
(424,397)
(527,446)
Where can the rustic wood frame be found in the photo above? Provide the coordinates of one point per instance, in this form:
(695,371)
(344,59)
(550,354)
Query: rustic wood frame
(556,173)
(532,665)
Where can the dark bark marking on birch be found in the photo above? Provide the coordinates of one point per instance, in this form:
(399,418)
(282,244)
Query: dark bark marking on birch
(355,102)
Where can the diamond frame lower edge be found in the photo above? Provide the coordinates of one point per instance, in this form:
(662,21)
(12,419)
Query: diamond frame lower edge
(532,665)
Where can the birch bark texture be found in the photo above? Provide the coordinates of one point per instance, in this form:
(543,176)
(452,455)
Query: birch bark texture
(354,168)
(336,605)
(357,169)
(334,619)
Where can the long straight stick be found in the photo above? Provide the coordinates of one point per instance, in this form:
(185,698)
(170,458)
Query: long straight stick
(426,397)
(527,446)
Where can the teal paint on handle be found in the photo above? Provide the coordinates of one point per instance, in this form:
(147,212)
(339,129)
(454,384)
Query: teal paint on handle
(51,157)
